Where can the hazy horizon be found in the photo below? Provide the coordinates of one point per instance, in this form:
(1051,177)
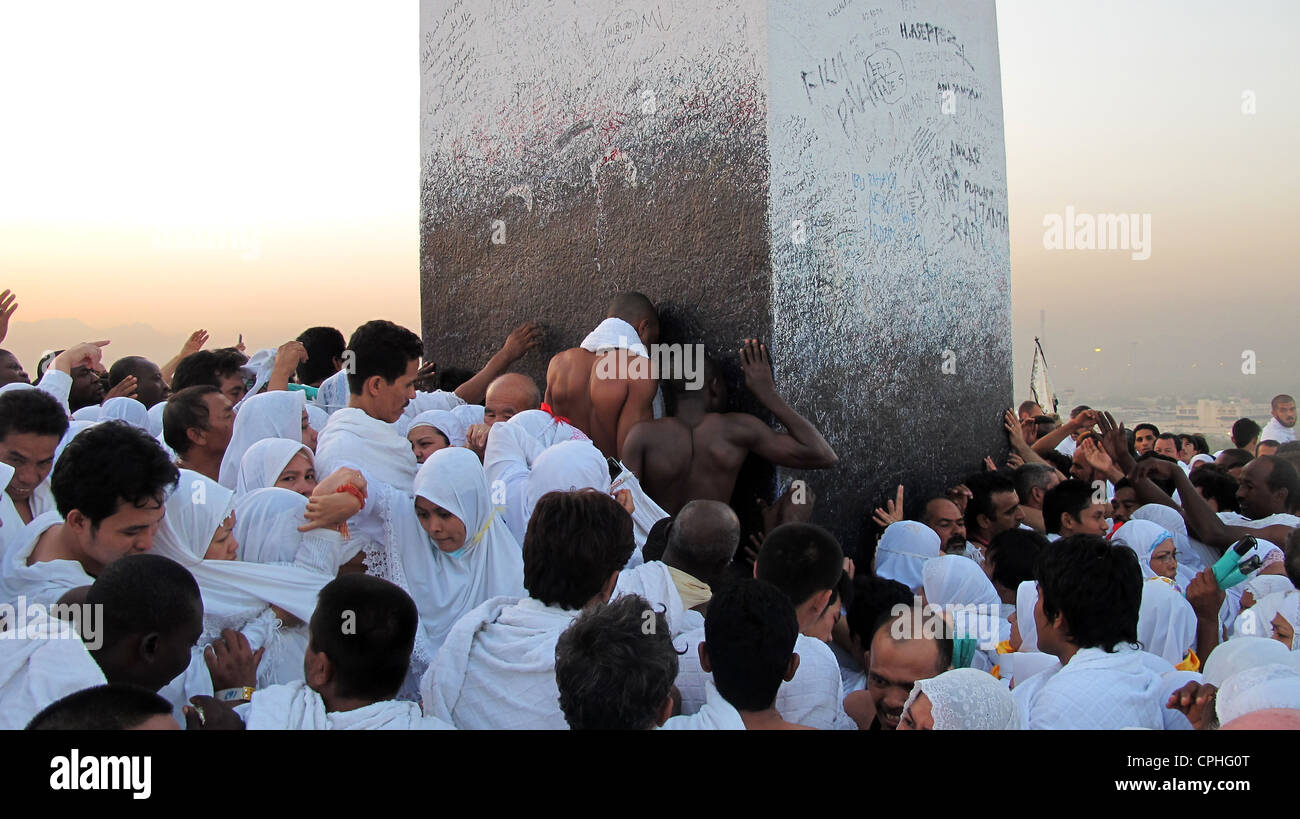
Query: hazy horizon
(261,174)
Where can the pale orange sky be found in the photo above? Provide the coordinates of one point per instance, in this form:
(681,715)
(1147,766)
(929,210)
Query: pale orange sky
(254,168)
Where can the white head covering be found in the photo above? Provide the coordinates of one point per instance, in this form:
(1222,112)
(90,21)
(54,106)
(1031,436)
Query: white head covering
(1168,517)
(957,580)
(614,334)
(1201,458)
(1241,653)
(1257,688)
(565,467)
(317,418)
(1257,621)
(1142,537)
(489,564)
(125,409)
(275,414)
(546,429)
(334,392)
(904,548)
(442,420)
(266,524)
(965,699)
(231,589)
(1026,599)
(90,413)
(1265,584)
(155,419)
(1166,622)
(265,460)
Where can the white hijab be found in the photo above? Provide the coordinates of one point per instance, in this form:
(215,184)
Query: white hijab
(490,563)
(1257,621)
(565,467)
(958,580)
(1168,517)
(1142,537)
(334,392)
(446,422)
(231,589)
(1026,600)
(126,409)
(903,551)
(968,700)
(266,524)
(1256,689)
(275,414)
(265,460)
(156,419)
(1166,622)
(1240,653)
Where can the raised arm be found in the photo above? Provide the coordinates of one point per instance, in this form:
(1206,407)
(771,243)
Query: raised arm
(1201,520)
(192,345)
(803,447)
(524,338)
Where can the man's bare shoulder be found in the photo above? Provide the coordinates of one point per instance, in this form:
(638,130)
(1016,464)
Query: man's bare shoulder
(571,357)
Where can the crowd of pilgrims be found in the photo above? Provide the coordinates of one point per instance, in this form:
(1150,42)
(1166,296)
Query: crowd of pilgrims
(329,535)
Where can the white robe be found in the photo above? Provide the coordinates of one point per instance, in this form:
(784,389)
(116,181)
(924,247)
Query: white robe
(47,662)
(812,697)
(275,414)
(44,582)
(716,714)
(296,707)
(1274,431)
(496,669)
(1095,690)
(654,582)
(512,449)
(903,550)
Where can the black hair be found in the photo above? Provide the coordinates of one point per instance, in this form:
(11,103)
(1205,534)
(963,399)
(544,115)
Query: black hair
(1283,476)
(107,464)
(207,367)
(1216,484)
(945,644)
(1244,431)
(1013,554)
(750,631)
(1060,460)
(128,365)
(574,542)
(800,559)
(141,594)
(1155,430)
(983,486)
(32,411)
(381,348)
(1280,399)
(1096,585)
(656,540)
(452,377)
(112,707)
(366,627)
(615,666)
(1026,406)
(186,409)
(324,344)
(1233,458)
(872,597)
(1029,477)
(633,307)
(1169,436)
(1071,496)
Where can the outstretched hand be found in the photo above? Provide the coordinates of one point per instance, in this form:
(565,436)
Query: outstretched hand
(522,339)
(88,354)
(8,305)
(893,511)
(194,343)
(757,367)
(122,389)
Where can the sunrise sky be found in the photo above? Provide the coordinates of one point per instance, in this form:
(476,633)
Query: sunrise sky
(250,167)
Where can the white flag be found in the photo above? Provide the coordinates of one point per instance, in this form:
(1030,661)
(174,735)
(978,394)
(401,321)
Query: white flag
(1039,384)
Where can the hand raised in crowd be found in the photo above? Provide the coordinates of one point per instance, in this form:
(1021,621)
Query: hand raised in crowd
(959,495)
(328,508)
(522,339)
(476,438)
(1014,460)
(757,367)
(1205,596)
(1091,453)
(1154,468)
(426,377)
(1196,702)
(893,511)
(231,661)
(89,354)
(194,343)
(625,500)
(7,307)
(122,389)
(1114,440)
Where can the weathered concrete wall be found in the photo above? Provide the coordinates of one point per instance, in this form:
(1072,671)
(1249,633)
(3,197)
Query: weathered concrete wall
(788,170)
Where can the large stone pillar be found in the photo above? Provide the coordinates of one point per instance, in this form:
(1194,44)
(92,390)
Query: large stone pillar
(825,174)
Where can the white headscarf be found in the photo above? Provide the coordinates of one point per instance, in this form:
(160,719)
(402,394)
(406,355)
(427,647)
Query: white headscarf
(452,428)
(1142,537)
(1026,600)
(1241,653)
(317,418)
(156,419)
(904,548)
(566,467)
(125,409)
(334,392)
(265,460)
(1257,688)
(968,700)
(1166,622)
(266,524)
(958,580)
(275,414)
(1257,621)
(1168,517)
(489,564)
(231,589)
(614,334)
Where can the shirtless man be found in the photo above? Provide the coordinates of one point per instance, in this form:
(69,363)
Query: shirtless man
(579,385)
(697,453)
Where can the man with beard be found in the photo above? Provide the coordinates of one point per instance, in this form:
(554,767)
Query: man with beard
(943,516)
(1281,427)
(899,657)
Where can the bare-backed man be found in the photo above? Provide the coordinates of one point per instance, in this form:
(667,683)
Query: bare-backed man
(697,452)
(605,386)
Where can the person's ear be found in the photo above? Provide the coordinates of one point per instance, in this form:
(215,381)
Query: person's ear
(1068,521)
(318,671)
(198,437)
(984,523)
(666,710)
(78,523)
(149,646)
(373,385)
(819,601)
(705,665)
(791,667)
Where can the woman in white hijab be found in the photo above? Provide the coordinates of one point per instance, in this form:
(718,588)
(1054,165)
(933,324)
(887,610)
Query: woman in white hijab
(1276,616)
(267,526)
(431,431)
(268,604)
(903,550)
(1255,689)
(961,700)
(970,602)
(461,553)
(125,409)
(565,467)
(278,414)
(1166,623)
(1156,550)
(1241,653)
(1191,554)
(277,462)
